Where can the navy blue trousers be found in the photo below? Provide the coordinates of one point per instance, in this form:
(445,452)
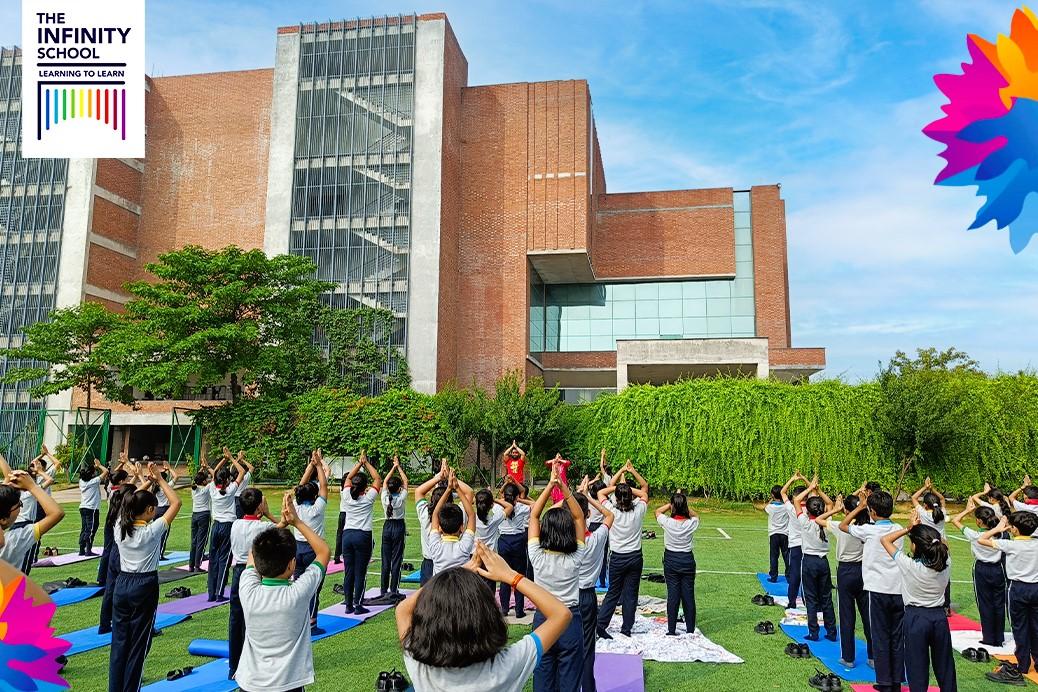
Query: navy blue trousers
(133,621)
(111,575)
(106,552)
(851,591)
(561,666)
(1023,615)
(512,547)
(425,573)
(356,554)
(625,574)
(236,622)
(160,511)
(338,535)
(199,537)
(927,638)
(89,520)
(305,557)
(989,587)
(887,614)
(588,606)
(793,575)
(219,558)
(778,544)
(393,533)
(679,570)
(603,573)
(818,593)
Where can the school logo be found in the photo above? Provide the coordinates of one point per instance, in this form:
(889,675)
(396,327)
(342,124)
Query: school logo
(990,128)
(83,80)
(28,647)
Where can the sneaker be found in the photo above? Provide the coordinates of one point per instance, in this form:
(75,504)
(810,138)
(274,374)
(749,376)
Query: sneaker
(846,664)
(832,636)
(811,637)
(819,681)
(360,610)
(762,628)
(805,650)
(793,650)
(349,607)
(1007,674)
(773,580)
(983,656)
(970,654)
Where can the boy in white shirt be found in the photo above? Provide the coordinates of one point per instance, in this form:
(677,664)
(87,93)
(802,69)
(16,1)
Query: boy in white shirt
(793,538)
(448,545)
(778,533)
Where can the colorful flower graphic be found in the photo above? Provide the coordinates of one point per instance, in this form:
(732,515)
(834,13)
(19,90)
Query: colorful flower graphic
(990,128)
(28,648)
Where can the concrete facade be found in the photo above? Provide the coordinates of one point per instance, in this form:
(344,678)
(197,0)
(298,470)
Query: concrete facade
(656,361)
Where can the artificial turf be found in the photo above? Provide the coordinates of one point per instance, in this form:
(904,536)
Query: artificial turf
(351,661)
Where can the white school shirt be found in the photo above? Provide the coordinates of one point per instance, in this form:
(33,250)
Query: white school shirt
(557,573)
(516,524)
(246,481)
(921,586)
(243,533)
(926,517)
(200,499)
(1021,558)
(595,543)
(993,506)
(140,552)
(848,548)
(90,493)
(421,508)
(222,506)
(594,516)
(398,500)
(450,551)
(51,470)
(506,672)
(626,534)
(162,498)
(678,534)
(17,542)
(1024,507)
(812,537)
(982,553)
(312,514)
(29,505)
(778,518)
(793,525)
(878,571)
(489,531)
(360,513)
(277,654)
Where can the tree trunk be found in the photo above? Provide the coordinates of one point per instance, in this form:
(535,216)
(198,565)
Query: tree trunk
(234,387)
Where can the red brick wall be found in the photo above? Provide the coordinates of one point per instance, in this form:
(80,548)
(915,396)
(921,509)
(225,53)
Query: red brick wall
(579,359)
(671,233)
(114,222)
(205,177)
(770,282)
(796,356)
(117,177)
(109,269)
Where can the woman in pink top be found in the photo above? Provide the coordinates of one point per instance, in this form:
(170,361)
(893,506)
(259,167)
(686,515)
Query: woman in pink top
(561,464)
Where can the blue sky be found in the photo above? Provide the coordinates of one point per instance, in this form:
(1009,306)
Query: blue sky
(826,98)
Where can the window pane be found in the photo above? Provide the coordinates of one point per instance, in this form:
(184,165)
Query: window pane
(648,308)
(624,308)
(670,290)
(670,308)
(644,291)
(719,326)
(601,327)
(671,327)
(694,327)
(694,289)
(648,328)
(719,289)
(718,307)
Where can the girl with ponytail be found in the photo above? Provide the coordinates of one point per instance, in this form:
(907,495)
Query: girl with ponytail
(394,503)
(816,577)
(852,598)
(628,506)
(929,507)
(222,509)
(924,578)
(989,574)
(994,499)
(357,538)
(108,571)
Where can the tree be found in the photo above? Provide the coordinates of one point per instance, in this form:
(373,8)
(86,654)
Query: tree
(215,315)
(69,350)
(359,350)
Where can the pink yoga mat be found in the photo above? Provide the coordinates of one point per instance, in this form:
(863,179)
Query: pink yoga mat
(66,559)
(904,688)
(619,673)
(339,610)
(961,622)
(190,605)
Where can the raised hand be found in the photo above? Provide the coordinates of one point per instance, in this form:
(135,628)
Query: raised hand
(493,565)
(1027,479)
(288,509)
(21,480)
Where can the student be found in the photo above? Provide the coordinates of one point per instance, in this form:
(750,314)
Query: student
(90,479)
(116,479)
(994,499)
(243,533)
(929,506)
(278,655)
(924,578)
(1030,493)
(31,509)
(110,558)
(455,638)
(451,541)
(989,574)
(200,516)
(221,505)
(815,573)
(423,508)
(512,541)
(849,585)
(778,534)
(596,542)
(1021,561)
(882,581)
(246,482)
(793,539)
(139,537)
(490,512)
(19,537)
(357,541)
(311,501)
(679,561)
(394,529)
(625,551)
(556,550)
(170,474)
(597,484)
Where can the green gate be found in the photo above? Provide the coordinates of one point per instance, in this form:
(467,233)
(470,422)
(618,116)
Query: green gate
(89,438)
(185,439)
(21,433)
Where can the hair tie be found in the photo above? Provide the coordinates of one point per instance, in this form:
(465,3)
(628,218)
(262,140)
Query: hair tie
(936,540)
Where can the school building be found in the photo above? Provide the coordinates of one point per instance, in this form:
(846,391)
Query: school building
(479,214)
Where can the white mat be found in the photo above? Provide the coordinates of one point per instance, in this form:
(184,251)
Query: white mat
(966,639)
(649,640)
(649,605)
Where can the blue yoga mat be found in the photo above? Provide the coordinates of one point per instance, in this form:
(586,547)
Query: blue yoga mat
(779,588)
(219,648)
(828,653)
(412,578)
(174,557)
(89,639)
(75,594)
(212,677)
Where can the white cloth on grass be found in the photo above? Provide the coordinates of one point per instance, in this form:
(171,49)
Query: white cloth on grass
(649,640)
(970,639)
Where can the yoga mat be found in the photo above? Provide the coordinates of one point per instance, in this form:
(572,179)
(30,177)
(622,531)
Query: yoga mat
(619,673)
(412,578)
(870,688)
(211,677)
(204,566)
(174,574)
(339,610)
(329,623)
(75,594)
(66,559)
(828,653)
(174,557)
(961,622)
(779,588)
(88,639)
(190,605)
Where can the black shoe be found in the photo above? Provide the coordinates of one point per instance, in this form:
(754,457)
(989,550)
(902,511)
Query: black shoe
(773,580)
(349,607)
(820,681)
(602,634)
(315,630)
(179,673)
(832,636)
(338,560)
(337,588)
(970,655)
(761,628)
(360,610)
(1007,674)
(811,637)
(407,567)
(983,656)
(793,650)
(758,599)
(805,650)
(392,681)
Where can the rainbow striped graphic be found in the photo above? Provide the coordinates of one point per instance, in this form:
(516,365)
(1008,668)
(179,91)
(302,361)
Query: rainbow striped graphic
(60,104)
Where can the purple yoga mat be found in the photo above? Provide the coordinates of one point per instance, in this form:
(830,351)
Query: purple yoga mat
(339,610)
(66,559)
(619,673)
(190,605)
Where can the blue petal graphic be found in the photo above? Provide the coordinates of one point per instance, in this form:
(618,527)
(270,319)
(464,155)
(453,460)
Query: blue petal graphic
(1023,227)
(1019,127)
(1005,195)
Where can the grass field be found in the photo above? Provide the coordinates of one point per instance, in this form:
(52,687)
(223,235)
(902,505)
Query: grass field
(731,547)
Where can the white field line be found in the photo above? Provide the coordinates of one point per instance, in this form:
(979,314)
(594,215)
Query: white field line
(723,533)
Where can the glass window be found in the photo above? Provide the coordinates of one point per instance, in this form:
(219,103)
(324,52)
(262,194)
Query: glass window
(670,308)
(648,308)
(719,289)
(742,306)
(600,312)
(647,291)
(694,308)
(743,253)
(694,327)
(718,307)
(671,326)
(742,288)
(741,201)
(743,326)
(694,289)
(670,290)
(603,342)
(624,309)
(579,327)
(648,328)
(579,343)
(601,327)
(622,292)
(719,326)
